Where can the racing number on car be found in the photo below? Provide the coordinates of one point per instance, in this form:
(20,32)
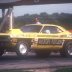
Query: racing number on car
(50,42)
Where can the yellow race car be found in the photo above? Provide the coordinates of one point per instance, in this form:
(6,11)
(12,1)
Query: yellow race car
(42,38)
(46,38)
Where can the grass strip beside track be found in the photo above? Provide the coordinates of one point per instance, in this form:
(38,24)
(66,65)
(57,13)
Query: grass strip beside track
(64,70)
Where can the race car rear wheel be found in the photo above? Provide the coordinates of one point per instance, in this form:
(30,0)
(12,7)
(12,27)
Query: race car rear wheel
(67,50)
(22,49)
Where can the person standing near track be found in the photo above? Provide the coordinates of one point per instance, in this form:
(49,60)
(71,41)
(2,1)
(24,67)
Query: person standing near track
(37,21)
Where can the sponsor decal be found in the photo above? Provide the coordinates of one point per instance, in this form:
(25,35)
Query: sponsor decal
(50,42)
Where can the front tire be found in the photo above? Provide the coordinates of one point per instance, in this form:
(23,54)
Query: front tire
(22,49)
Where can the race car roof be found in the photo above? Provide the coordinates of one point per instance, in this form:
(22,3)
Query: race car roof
(7,3)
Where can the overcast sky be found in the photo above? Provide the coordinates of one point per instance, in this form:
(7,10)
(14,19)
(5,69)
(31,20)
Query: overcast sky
(37,9)
(49,8)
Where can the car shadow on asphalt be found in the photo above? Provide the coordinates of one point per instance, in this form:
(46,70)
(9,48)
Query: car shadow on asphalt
(32,57)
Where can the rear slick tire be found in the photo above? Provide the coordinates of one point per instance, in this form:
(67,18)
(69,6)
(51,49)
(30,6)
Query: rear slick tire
(68,49)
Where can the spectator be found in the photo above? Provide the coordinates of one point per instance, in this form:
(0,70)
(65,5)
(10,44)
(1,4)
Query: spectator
(37,21)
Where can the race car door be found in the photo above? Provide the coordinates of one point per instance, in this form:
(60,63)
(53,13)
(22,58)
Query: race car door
(50,37)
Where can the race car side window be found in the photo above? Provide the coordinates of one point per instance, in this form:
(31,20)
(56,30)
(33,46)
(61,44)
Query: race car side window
(51,30)
(31,28)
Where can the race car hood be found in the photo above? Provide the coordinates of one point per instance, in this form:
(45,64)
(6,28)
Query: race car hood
(17,33)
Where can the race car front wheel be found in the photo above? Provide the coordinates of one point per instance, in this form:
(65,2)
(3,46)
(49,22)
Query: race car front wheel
(22,49)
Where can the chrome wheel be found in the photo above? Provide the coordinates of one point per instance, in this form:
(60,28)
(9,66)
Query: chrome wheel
(22,49)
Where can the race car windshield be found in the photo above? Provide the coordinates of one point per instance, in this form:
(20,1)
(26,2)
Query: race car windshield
(31,28)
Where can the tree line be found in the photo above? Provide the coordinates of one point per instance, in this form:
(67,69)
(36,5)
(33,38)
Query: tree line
(62,19)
